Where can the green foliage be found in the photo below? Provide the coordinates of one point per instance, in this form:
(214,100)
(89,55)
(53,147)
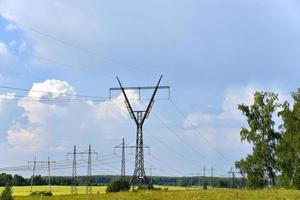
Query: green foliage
(42,193)
(19,180)
(264,138)
(288,150)
(118,186)
(7,193)
(5,179)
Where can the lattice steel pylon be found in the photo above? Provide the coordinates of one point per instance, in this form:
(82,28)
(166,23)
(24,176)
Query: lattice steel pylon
(89,169)
(35,162)
(139,176)
(89,172)
(123,173)
(124,146)
(74,173)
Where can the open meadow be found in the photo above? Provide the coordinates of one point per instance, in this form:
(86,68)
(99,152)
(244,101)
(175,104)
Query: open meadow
(81,190)
(180,193)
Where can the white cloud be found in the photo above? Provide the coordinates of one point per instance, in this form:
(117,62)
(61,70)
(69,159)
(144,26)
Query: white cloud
(23,46)
(222,129)
(233,96)
(10,27)
(3,49)
(54,121)
(5,98)
(195,119)
(41,112)
(25,139)
(12,43)
(78,24)
(58,148)
(7,62)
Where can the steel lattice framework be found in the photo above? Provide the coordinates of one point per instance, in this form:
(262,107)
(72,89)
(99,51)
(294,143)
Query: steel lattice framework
(139,116)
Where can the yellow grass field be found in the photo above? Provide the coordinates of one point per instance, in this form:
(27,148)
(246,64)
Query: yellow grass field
(65,190)
(180,193)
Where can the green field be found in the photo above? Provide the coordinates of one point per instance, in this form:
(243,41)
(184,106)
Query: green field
(65,190)
(180,193)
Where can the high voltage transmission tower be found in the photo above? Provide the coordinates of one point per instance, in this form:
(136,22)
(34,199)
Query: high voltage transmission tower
(204,177)
(211,176)
(123,146)
(89,169)
(35,162)
(139,116)
(151,175)
(89,172)
(199,178)
(204,183)
(74,171)
(233,173)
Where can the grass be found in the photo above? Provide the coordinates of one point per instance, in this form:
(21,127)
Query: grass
(178,193)
(65,190)
(56,190)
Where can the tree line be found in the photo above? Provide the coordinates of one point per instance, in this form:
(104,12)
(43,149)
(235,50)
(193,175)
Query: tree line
(273,130)
(224,182)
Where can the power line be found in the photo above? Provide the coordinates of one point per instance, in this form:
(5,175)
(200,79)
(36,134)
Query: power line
(183,141)
(197,131)
(168,166)
(75,67)
(48,162)
(166,145)
(139,117)
(187,144)
(47,92)
(88,51)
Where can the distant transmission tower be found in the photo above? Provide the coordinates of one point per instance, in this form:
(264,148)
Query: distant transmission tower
(233,173)
(204,177)
(33,173)
(48,162)
(123,165)
(139,176)
(89,169)
(89,173)
(211,176)
(123,173)
(151,175)
(74,173)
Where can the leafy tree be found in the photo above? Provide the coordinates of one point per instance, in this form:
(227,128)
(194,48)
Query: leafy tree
(288,149)
(19,180)
(118,185)
(7,193)
(5,179)
(264,138)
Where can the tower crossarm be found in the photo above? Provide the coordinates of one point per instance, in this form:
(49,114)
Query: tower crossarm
(127,102)
(150,104)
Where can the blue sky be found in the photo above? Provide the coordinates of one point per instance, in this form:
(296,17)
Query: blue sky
(214,54)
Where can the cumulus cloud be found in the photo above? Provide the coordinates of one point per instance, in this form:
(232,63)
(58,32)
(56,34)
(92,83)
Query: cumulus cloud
(40,112)
(3,49)
(7,61)
(195,119)
(5,97)
(233,96)
(222,129)
(11,27)
(44,117)
(25,139)
(23,46)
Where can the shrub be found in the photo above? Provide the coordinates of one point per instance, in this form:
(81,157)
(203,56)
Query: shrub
(118,185)
(43,193)
(7,193)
